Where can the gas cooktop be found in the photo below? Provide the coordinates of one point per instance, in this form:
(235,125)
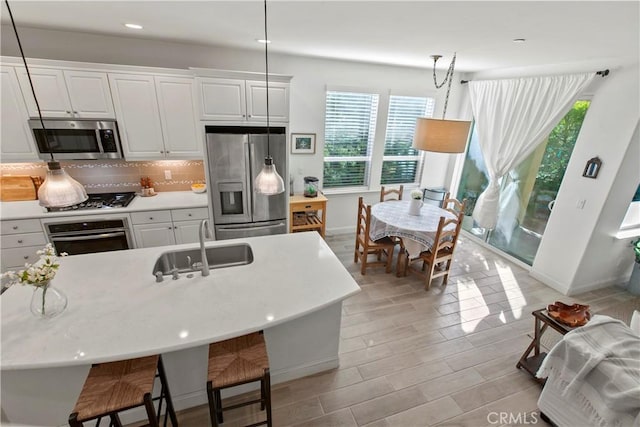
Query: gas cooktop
(100,201)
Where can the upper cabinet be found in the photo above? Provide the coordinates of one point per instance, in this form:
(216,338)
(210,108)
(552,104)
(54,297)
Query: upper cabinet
(17,140)
(67,93)
(242,100)
(156,116)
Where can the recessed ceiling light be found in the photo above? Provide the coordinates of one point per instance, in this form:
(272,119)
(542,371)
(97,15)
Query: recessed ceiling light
(519,40)
(133,26)
(263,41)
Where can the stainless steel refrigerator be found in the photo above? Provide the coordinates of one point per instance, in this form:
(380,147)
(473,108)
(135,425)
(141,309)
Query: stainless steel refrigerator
(235,156)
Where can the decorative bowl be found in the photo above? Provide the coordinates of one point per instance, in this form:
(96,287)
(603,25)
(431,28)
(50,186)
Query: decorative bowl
(571,315)
(198,188)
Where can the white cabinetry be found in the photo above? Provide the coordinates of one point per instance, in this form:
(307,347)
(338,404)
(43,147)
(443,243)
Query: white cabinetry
(156,116)
(21,239)
(67,93)
(162,228)
(242,100)
(17,140)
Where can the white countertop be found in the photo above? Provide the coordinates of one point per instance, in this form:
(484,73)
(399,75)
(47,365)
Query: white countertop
(163,200)
(117,311)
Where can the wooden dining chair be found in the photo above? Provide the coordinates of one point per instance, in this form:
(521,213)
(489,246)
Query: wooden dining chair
(384,193)
(454,205)
(436,262)
(365,246)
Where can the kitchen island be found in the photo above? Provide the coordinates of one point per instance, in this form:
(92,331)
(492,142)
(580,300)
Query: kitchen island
(293,290)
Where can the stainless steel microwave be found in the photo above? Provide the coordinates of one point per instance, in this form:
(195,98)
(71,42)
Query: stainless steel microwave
(77,139)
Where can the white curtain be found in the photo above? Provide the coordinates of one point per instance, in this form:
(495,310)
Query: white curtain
(512,117)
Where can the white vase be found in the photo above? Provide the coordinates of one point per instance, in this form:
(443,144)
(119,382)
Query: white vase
(415,206)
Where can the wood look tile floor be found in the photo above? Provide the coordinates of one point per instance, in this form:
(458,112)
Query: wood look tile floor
(410,357)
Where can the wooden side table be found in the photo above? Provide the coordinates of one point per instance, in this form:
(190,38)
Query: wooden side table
(307,213)
(542,322)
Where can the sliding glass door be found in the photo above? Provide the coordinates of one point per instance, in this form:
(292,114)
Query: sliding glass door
(528,192)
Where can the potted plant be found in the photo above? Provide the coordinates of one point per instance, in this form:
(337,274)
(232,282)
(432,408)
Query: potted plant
(634,281)
(416,202)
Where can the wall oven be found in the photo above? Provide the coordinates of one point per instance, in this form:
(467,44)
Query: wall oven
(89,235)
(77,139)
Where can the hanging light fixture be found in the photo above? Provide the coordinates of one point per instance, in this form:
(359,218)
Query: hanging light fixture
(268,182)
(441,136)
(59,190)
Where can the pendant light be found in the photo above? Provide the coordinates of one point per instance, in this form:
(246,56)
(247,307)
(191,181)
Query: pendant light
(268,182)
(441,136)
(59,190)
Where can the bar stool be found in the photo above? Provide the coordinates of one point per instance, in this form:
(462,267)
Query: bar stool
(116,386)
(234,362)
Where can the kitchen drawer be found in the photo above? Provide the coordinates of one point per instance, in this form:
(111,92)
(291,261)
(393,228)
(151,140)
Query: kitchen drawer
(21,226)
(22,240)
(308,206)
(150,217)
(189,214)
(19,256)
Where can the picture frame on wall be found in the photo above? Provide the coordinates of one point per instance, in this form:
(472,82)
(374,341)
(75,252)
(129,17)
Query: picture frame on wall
(303,143)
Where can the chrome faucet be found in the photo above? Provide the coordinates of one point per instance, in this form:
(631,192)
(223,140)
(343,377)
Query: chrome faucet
(205,232)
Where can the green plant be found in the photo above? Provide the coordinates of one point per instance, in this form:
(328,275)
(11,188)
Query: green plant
(636,249)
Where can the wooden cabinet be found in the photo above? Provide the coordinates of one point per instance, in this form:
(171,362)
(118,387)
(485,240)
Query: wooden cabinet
(156,116)
(162,228)
(17,140)
(67,93)
(307,214)
(21,239)
(242,100)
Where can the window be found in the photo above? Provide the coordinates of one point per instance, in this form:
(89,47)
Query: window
(350,123)
(401,163)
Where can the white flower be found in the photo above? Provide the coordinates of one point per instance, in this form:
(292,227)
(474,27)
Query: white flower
(37,274)
(416,194)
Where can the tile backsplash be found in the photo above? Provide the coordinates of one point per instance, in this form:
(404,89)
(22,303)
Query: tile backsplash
(107,176)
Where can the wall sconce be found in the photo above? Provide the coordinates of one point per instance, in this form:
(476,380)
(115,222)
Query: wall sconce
(592,168)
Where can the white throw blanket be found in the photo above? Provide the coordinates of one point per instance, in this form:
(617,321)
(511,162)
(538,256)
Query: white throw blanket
(597,367)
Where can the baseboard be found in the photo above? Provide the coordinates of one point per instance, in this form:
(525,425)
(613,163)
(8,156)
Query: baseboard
(552,283)
(341,230)
(197,398)
(605,283)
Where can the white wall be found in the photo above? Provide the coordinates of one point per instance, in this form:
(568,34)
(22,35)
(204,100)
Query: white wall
(578,251)
(311,76)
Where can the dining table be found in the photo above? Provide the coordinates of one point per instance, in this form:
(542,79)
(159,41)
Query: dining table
(418,232)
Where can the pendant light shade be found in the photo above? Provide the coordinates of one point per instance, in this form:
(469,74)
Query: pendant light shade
(441,136)
(268,182)
(59,190)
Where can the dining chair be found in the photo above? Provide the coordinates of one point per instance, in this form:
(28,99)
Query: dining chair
(384,193)
(454,205)
(365,246)
(439,258)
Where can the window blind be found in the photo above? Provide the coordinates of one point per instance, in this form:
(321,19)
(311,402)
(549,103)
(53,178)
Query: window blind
(350,121)
(401,163)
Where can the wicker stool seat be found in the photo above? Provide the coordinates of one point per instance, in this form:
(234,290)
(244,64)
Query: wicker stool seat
(234,362)
(117,386)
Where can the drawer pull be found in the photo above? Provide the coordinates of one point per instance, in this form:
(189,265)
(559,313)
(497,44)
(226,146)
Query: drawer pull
(170,228)
(150,218)
(15,227)
(189,215)
(26,257)
(20,241)
(307,207)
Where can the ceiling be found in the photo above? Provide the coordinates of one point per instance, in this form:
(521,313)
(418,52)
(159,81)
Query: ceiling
(390,32)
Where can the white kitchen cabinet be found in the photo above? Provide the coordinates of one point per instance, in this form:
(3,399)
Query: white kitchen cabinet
(67,93)
(20,241)
(156,117)
(242,100)
(156,234)
(164,227)
(178,116)
(257,101)
(18,144)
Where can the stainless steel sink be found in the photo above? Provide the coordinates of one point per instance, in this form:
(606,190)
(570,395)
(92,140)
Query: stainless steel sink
(188,260)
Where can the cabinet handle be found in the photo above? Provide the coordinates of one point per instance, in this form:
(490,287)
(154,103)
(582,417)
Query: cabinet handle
(75,112)
(68,112)
(20,241)
(167,152)
(188,214)
(26,257)
(249,115)
(307,207)
(161,152)
(150,218)
(170,228)
(15,227)
(244,115)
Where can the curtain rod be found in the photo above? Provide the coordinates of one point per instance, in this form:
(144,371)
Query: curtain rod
(603,73)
